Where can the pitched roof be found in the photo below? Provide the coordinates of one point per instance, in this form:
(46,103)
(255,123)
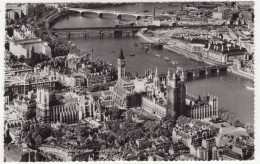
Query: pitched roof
(119,90)
(121,55)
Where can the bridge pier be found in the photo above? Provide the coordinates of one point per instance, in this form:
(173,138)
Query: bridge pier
(101,33)
(84,34)
(100,15)
(194,73)
(185,75)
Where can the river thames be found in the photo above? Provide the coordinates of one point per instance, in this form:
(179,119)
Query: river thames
(231,89)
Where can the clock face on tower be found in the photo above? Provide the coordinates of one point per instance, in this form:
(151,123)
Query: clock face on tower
(123,64)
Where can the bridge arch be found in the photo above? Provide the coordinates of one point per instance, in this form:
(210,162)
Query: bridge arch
(100,13)
(223,69)
(202,72)
(213,71)
(89,12)
(79,11)
(189,75)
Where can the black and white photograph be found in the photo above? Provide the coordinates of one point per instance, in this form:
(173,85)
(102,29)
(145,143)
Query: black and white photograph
(128,81)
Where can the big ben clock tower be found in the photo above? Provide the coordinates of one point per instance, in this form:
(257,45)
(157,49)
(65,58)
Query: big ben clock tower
(121,65)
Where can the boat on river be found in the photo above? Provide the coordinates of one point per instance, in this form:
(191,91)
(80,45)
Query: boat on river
(175,63)
(166,59)
(249,88)
(158,55)
(132,55)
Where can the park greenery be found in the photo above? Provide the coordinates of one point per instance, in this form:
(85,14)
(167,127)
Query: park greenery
(189,124)
(249,129)
(230,118)
(100,87)
(131,131)
(85,137)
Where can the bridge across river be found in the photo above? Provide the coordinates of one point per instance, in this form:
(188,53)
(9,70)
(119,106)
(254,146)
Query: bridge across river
(122,27)
(118,30)
(204,71)
(100,13)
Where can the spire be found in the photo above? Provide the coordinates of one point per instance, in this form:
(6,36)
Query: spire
(121,55)
(168,73)
(156,72)
(174,76)
(172,82)
(182,76)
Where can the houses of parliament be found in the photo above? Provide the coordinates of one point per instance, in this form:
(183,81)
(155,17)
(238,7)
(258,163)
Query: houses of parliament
(159,95)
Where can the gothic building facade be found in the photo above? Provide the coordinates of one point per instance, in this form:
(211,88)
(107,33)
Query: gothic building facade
(204,108)
(176,94)
(161,96)
(67,107)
